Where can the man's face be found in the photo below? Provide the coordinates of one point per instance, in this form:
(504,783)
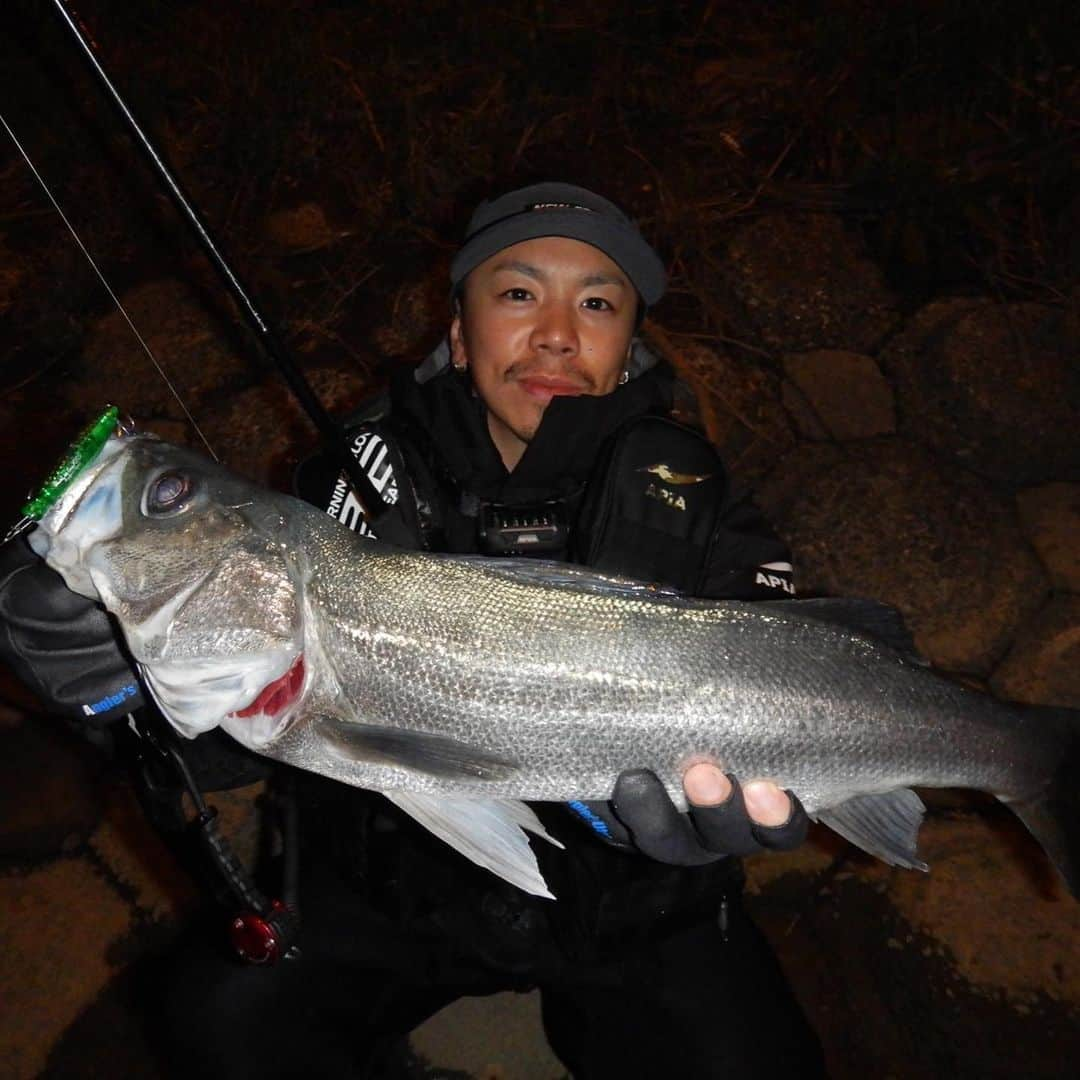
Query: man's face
(539,319)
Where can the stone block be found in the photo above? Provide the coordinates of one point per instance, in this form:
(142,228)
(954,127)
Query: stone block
(832,394)
(804,282)
(1043,666)
(1050,516)
(883,519)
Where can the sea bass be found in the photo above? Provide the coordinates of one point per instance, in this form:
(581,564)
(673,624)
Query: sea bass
(460,686)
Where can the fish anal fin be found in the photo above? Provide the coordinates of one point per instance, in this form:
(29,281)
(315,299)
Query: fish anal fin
(419,751)
(886,826)
(487,831)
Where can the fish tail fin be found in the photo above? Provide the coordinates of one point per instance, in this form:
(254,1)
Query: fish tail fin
(1052,815)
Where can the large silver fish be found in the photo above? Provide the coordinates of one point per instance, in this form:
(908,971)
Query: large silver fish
(459,686)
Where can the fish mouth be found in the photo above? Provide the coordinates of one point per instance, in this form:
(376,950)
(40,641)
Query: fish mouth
(277,695)
(269,709)
(86,514)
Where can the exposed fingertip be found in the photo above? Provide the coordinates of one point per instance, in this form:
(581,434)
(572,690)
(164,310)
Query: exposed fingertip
(766,803)
(706,785)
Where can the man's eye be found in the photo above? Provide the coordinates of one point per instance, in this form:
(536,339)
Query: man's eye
(598,303)
(517,294)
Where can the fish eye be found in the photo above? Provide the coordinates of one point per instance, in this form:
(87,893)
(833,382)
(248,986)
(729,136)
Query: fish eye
(168,494)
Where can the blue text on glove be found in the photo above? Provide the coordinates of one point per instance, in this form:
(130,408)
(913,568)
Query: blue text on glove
(111,701)
(593,820)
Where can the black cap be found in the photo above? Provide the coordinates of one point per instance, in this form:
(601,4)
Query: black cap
(560,210)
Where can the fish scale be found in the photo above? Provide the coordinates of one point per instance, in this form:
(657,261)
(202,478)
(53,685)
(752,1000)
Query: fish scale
(459,686)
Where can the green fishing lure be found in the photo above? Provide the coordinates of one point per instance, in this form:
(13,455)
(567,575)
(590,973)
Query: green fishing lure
(81,452)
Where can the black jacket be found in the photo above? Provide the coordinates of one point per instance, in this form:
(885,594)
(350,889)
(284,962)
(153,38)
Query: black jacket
(642,497)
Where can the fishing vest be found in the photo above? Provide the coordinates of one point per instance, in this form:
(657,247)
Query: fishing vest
(656,507)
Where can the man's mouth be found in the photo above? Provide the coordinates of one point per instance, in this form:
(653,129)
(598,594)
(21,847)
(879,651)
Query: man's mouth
(544,387)
(277,696)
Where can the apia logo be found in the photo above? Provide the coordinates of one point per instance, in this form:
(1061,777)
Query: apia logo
(668,498)
(778,578)
(773,581)
(670,476)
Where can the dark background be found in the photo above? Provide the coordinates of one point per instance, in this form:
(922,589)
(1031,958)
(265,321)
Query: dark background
(943,134)
(335,150)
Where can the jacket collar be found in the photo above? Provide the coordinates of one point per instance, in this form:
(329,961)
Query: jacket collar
(441,410)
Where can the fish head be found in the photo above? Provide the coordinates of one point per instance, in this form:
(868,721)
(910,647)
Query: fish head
(200,569)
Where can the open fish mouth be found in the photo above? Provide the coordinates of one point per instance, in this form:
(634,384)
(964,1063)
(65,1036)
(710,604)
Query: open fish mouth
(269,711)
(198,694)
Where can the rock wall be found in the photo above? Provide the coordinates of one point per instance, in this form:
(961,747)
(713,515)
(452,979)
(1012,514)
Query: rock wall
(930,460)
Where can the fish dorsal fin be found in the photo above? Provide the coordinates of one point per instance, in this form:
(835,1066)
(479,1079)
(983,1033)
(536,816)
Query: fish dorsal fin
(883,825)
(870,618)
(487,831)
(559,575)
(419,751)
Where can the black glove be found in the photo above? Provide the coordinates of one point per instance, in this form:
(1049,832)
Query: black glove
(65,649)
(61,644)
(641,816)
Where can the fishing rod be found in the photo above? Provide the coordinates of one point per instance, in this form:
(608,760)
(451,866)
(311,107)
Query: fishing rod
(331,432)
(263,930)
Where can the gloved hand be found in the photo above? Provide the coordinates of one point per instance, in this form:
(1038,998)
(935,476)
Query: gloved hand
(65,649)
(61,644)
(641,816)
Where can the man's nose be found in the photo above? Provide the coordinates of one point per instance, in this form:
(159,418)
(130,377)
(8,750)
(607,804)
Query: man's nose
(555,332)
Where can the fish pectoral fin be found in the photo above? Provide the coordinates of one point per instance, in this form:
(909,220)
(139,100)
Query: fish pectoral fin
(883,825)
(487,831)
(420,751)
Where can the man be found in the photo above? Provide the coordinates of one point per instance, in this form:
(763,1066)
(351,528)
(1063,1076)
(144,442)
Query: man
(538,428)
